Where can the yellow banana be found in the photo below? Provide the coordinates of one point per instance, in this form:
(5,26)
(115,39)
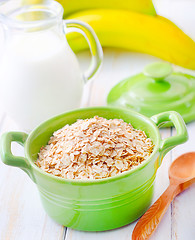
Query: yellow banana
(72,6)
(28,2)
(153,35)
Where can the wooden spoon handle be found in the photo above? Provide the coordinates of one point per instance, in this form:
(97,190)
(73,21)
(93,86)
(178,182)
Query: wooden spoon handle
(150,220)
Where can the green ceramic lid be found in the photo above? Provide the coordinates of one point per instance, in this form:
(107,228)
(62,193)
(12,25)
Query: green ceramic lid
(156,90)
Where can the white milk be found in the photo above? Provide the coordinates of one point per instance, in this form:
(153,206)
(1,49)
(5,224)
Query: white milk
(39,77)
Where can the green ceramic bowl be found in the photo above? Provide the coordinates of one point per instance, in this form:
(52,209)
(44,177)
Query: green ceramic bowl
(95,205)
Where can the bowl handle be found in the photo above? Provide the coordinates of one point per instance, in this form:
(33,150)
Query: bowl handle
(178,122)
(6,155)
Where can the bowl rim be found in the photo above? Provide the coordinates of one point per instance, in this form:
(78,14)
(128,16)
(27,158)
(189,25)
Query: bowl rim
(93,181)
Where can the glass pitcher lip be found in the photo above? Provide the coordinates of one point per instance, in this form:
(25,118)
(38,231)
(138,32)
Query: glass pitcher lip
(50,6)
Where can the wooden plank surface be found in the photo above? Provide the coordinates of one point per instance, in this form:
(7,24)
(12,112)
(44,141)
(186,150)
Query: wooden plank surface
(183,207)
(21,214)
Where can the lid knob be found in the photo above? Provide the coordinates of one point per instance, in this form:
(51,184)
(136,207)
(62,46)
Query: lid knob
(158,71)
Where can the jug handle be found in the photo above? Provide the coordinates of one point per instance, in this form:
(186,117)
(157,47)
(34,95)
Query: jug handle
(94,44)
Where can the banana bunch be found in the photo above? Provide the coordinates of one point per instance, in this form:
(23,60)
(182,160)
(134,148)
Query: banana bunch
(133,31)
(131,25)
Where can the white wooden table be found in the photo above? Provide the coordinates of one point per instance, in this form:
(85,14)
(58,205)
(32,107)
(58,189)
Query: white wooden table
(21,214)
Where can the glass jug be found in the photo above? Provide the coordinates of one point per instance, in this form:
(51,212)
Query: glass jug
(39,74)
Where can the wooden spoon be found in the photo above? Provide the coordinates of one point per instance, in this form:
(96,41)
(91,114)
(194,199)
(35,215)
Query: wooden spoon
(181,175)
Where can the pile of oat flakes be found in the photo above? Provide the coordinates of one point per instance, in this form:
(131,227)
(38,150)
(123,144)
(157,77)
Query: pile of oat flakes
(94,148)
